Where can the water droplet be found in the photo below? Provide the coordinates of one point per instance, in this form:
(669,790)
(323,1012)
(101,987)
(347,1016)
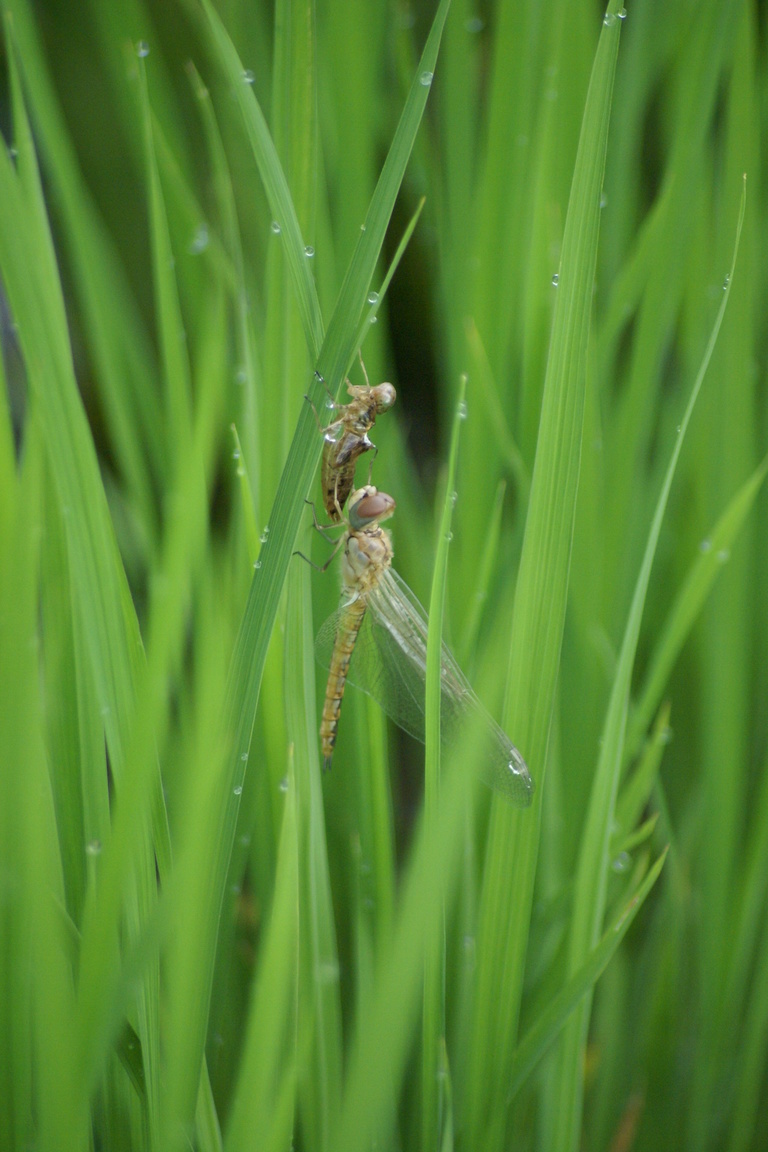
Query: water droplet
(463,413)
(726,282)
(265,535)
(475,24)
(244,757)
(199,240)
(284,784)
(240,470)
(373,297)
(609,19)
(679,429)
(622,14)
(449,536)
(426,79)
(238,790)
(603,199)
(93,847)
(333,434)
(309,251)
(327,971)
(275,227)
(454,498)
(257,565)
(705,546)
(373,319)
(622,862)
(248,76)
(142,49)
(723,555)
(362,227)
(555,279)
(236,454)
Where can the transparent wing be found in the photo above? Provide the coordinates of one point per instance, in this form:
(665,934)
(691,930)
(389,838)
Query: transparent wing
(389,663)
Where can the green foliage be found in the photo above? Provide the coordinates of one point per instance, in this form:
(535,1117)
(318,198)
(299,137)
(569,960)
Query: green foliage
(527,224)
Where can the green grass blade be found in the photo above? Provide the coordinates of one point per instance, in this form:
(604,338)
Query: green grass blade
(714,551)
(540,600)
(591,880)
(433,1086)
(552,1019)
(271,1026)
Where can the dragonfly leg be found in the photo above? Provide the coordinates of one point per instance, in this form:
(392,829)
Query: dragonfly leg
(329,561)
(362,365)
(321,528)
(336,497)
(323,428)
(373,457)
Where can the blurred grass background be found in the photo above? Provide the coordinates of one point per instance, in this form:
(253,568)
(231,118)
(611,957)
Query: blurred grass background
(204,942)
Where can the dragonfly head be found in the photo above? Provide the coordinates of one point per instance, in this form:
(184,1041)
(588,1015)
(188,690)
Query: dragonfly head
(384,396)
(368,506)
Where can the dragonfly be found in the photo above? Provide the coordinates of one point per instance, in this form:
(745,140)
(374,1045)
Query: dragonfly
(377,640)
(346,438)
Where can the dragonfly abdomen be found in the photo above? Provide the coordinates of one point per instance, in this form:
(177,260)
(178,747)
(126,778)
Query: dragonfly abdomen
(349,626)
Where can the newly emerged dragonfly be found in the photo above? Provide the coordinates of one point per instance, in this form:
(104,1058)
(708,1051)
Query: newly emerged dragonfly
(346,438)
(377,640)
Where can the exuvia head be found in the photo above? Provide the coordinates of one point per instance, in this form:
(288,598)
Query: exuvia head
(384,396)
(368,506)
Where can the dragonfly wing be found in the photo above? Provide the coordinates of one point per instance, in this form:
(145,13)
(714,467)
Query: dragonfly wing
(389,663)
(400,628)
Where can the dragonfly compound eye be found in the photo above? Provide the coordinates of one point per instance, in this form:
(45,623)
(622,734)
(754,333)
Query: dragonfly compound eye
(369,506)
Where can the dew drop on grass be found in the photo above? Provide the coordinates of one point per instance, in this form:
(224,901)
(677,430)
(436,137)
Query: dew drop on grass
(622,862)
(426,79)
(142,49)
(93,847)
(463,412)
(284,784)
(705,546)
(373,297)
(555,279)
(275,227)
(238,790)
(309,251)
(199,241)
(248,76)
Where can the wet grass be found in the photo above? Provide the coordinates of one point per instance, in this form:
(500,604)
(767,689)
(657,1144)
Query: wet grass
(206,942)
